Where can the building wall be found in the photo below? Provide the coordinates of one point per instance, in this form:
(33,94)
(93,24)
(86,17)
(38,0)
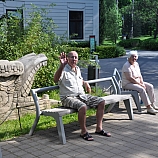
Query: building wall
(60,14)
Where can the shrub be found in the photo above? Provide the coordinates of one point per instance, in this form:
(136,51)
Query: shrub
(150,44)
(83,53)
(120,51)
(129,43)
(82,44)
(109,51)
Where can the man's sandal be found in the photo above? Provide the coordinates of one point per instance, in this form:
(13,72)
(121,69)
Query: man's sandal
(87,137)
(103,133)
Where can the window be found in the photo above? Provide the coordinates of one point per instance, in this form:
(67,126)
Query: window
(76,24)
(16,15)
(14,23)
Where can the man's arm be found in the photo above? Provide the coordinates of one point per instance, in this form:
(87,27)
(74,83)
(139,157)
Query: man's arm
(58,73)
(87,87)
(63,62)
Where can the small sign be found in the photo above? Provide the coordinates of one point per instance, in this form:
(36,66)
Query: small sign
(92,43)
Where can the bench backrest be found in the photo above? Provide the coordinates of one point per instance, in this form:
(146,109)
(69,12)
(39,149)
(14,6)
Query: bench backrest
(117,80)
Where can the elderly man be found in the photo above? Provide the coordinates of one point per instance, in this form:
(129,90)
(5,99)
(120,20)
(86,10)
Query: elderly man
(133,80)
(72,93)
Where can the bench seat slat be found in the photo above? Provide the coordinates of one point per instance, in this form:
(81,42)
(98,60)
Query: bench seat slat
(60,111)
(110,99)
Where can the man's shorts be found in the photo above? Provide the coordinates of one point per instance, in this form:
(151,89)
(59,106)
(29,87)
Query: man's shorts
(78,101)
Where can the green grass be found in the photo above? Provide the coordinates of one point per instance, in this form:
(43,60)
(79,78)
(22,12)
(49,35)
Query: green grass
(11,129)
(143,37)
(108,42)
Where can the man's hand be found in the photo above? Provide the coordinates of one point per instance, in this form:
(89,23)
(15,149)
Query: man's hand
(87,87)
(63,59)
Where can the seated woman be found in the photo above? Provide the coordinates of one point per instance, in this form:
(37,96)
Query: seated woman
(133,80)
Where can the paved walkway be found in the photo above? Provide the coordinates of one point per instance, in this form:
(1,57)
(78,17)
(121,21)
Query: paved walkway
(130,138)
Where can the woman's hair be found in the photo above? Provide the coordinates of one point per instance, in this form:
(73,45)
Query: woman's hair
(133,52)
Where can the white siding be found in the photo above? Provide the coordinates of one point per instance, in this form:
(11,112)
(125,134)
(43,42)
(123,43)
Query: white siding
(60,13)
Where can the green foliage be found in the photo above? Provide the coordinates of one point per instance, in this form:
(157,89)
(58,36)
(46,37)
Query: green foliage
(109,51)
(110,21)
(44,77)
(83,53)
(10,33)
(97,91)
(147,11)
(54,94)
(37,37)
(120,51)
(145,43)
(123,3)
(113,24)
(150,44)
(82,44)
(129,43)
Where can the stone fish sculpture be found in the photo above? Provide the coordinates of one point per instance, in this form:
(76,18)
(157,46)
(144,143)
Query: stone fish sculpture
(16,79)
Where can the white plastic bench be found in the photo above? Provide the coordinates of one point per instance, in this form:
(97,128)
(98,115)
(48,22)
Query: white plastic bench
(58,112)
(118,83)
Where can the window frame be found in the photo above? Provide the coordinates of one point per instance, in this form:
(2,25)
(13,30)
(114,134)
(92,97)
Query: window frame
(81,37)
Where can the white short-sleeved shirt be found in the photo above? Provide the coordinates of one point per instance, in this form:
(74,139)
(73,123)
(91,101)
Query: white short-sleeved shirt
(134,70)
(70,82)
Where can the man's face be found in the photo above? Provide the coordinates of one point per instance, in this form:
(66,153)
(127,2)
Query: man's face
(72,59)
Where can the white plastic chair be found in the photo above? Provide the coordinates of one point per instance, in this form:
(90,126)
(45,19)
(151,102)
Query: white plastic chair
(118,83)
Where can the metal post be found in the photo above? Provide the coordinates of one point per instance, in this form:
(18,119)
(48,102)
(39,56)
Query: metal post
(0,153)
(96,67)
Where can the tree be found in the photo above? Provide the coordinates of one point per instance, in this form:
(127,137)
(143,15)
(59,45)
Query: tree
(113,24)
(109,20)
(147,10)
(102,21)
